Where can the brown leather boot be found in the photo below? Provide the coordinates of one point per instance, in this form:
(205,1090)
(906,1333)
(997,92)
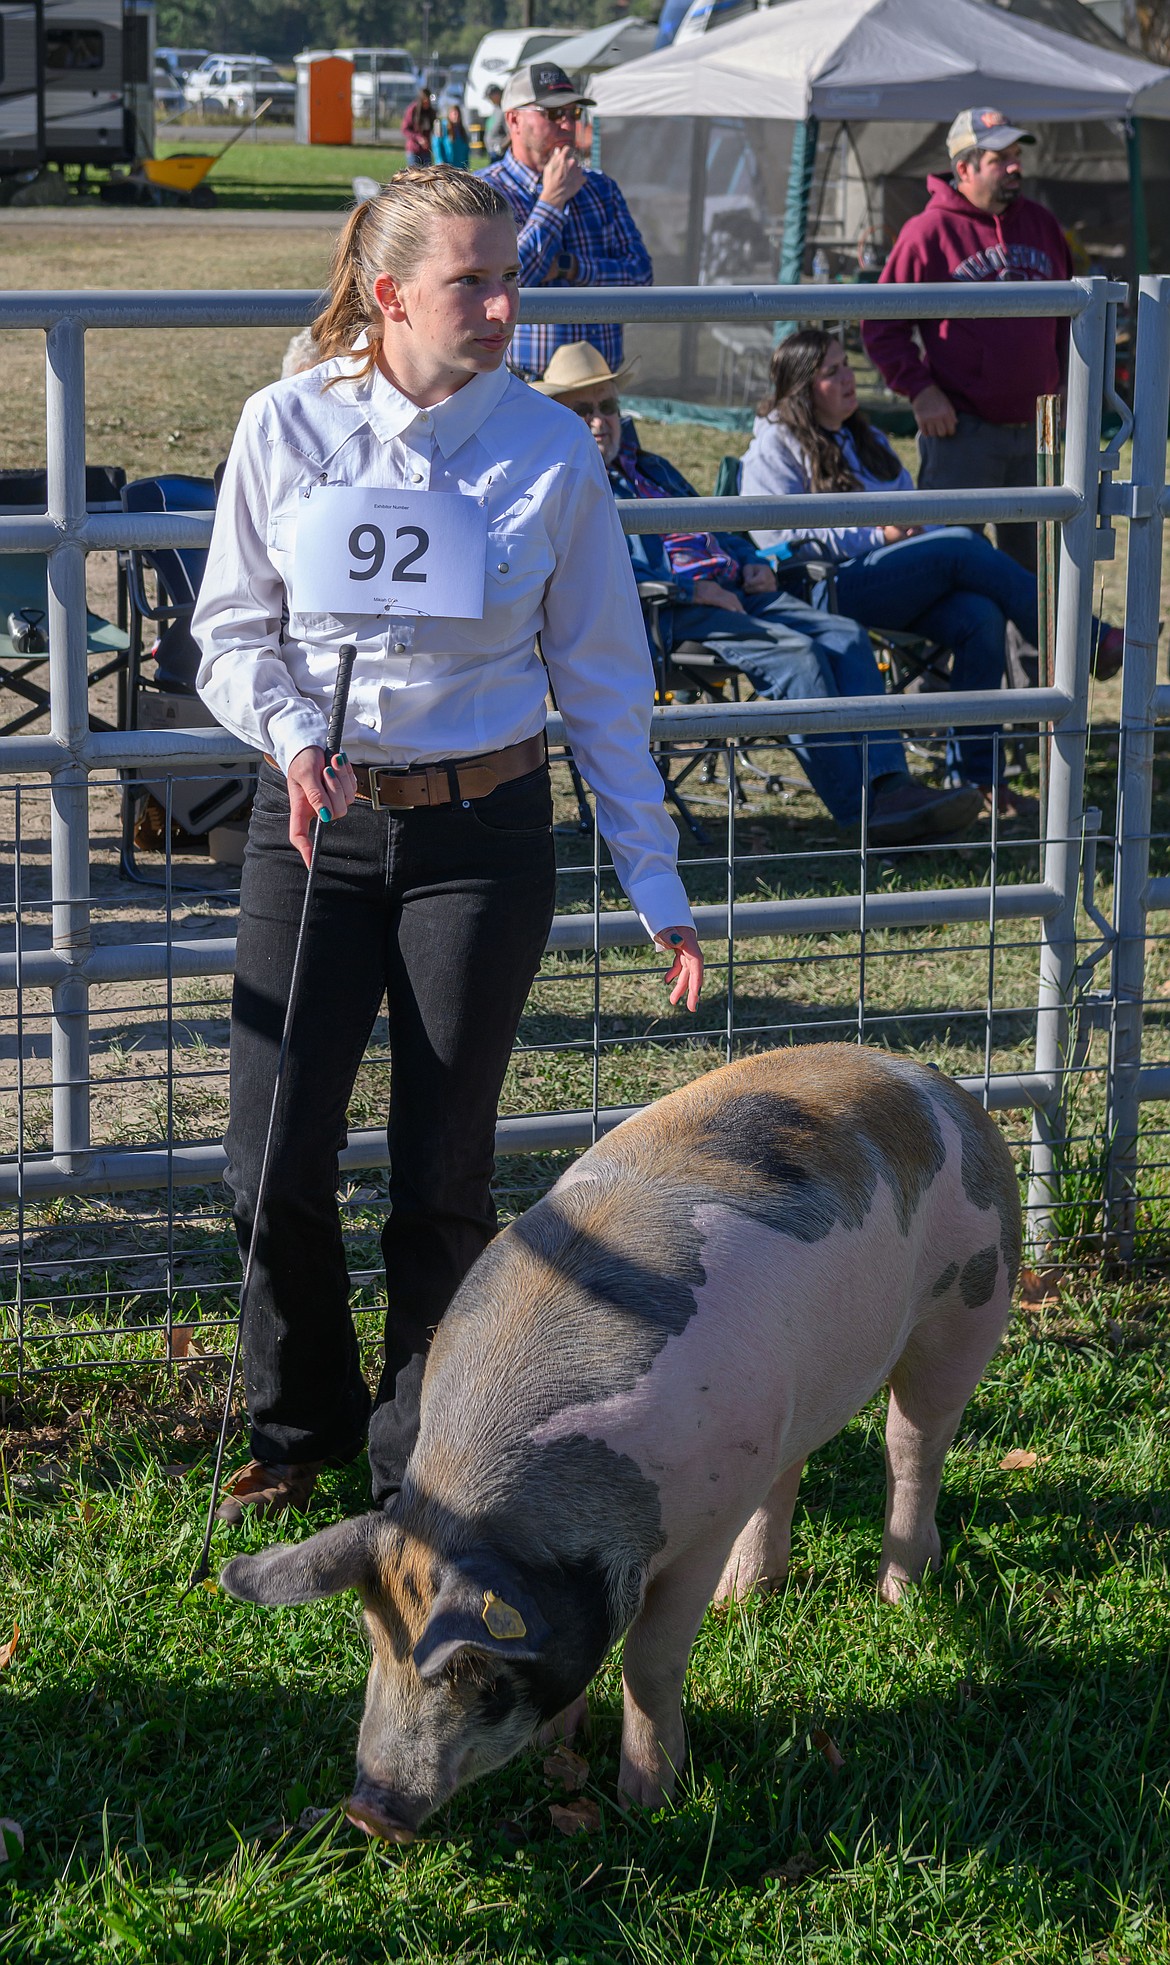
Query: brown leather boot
(268,1488)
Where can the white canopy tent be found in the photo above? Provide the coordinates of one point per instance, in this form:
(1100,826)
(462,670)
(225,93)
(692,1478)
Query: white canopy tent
(711,138)
(885,60)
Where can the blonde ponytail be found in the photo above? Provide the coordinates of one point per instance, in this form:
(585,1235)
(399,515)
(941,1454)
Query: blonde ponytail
(393,233)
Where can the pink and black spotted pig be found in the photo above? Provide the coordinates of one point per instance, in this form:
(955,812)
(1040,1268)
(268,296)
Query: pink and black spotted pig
(620,1400)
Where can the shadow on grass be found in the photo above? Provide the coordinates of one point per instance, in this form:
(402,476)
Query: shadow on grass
(1030,1790)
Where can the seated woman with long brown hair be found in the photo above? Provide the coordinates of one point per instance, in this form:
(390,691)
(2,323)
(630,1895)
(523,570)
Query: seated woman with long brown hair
(945,582)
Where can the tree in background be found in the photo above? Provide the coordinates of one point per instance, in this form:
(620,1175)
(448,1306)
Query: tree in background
(281,28)
(1147,28)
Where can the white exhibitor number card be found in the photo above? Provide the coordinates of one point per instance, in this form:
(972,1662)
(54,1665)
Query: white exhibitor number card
(360,551)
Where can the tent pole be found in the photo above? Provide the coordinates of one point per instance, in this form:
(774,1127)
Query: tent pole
(1138,229)
(796,203)
(689,337)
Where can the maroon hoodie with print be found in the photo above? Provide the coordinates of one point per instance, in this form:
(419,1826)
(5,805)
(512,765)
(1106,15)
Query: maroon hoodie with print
(993,369)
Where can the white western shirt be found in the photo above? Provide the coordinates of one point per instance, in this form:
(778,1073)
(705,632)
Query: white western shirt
(426,689)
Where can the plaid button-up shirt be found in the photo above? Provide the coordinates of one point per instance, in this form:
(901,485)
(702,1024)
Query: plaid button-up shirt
(597,229)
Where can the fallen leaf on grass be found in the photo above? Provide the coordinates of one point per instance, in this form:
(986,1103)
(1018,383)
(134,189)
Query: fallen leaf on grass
(11,1840)
(828,1748)
(184,1343)
(1020,1458)
(794,1870)
(1039,1286)
(581,1817)
(87,1511)
(566,1769)
(175,1472)
(8,1651)
(309,1817)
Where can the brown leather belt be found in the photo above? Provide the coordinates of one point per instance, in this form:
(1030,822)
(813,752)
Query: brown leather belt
(440,784)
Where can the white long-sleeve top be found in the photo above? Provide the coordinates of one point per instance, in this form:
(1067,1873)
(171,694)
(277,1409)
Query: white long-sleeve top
(775,465)
(427,689)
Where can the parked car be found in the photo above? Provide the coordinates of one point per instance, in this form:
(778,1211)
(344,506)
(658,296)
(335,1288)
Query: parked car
(236,85)
(169,99)
(391,66)
(181,62)
(498,54)
(396,91)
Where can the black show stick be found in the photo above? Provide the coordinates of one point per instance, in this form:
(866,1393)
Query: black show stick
(345,662)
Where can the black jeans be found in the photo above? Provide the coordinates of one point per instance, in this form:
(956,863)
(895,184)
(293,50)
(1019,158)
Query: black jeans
(445,913)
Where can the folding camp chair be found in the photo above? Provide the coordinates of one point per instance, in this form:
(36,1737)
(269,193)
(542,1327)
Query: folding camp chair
(24,600)
(163,586)
(694,670)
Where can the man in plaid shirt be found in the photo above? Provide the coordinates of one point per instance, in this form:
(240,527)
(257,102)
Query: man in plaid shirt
(575,227)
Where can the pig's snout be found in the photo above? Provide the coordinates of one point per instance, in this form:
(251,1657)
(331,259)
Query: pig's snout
(376,1814)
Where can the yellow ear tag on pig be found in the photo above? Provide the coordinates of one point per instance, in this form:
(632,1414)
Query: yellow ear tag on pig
(502,1621)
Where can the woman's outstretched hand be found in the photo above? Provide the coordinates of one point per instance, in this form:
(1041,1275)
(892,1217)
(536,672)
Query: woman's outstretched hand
(315,785)
(686,972)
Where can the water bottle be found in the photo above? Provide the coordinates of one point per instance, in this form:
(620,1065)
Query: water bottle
(820,267)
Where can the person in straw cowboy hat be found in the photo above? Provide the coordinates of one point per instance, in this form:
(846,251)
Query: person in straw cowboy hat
(730,598)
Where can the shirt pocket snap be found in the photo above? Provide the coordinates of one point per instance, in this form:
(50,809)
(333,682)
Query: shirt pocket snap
(519,564)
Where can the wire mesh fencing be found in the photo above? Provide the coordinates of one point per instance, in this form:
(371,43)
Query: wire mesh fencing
(1000,956)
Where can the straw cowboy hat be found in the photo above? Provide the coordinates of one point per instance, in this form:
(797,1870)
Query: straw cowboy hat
(577,365)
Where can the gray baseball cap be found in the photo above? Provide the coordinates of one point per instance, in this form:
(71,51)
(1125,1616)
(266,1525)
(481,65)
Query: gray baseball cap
(983,129)
(542,84)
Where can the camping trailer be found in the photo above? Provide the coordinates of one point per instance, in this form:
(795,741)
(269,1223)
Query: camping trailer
(75,82)
(22,141)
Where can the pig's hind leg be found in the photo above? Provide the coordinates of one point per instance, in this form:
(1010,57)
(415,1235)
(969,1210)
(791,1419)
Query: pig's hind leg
(759,1559)
(929,1388)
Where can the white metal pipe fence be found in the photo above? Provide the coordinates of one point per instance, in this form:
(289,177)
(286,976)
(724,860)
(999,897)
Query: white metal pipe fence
(1018,895)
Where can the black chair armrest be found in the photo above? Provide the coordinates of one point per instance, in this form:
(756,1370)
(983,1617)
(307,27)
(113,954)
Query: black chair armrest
(661,591)
(826,570)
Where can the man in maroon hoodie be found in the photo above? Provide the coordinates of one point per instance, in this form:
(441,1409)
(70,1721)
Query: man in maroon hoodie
(973,384)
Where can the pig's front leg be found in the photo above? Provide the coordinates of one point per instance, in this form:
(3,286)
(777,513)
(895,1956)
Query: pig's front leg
(759,1559)
(654,1665)
(566,1723)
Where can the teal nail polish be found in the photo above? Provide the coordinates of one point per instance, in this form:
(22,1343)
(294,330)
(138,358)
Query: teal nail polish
(676,941)
(324,815)
(342,758)
(329,771)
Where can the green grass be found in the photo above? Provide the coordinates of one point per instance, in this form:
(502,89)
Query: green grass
(1005,1736)
(289,176)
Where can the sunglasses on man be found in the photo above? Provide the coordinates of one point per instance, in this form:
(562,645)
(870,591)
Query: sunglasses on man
(570,114)
(608,406)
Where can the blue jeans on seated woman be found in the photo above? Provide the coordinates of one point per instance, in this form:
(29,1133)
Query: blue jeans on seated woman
(952,586)
(788,649)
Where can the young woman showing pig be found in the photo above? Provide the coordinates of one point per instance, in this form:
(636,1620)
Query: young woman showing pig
(408,495)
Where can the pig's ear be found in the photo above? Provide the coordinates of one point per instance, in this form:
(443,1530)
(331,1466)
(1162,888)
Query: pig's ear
(482,1609)
(339,1558)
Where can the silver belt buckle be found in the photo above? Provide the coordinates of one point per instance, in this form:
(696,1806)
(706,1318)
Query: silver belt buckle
(377,773)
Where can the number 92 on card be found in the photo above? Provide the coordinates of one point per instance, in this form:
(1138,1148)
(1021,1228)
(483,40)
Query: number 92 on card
(360,551)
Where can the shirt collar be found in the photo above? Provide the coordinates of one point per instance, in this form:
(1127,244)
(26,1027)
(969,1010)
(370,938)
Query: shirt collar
(391,414)
(529,179)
